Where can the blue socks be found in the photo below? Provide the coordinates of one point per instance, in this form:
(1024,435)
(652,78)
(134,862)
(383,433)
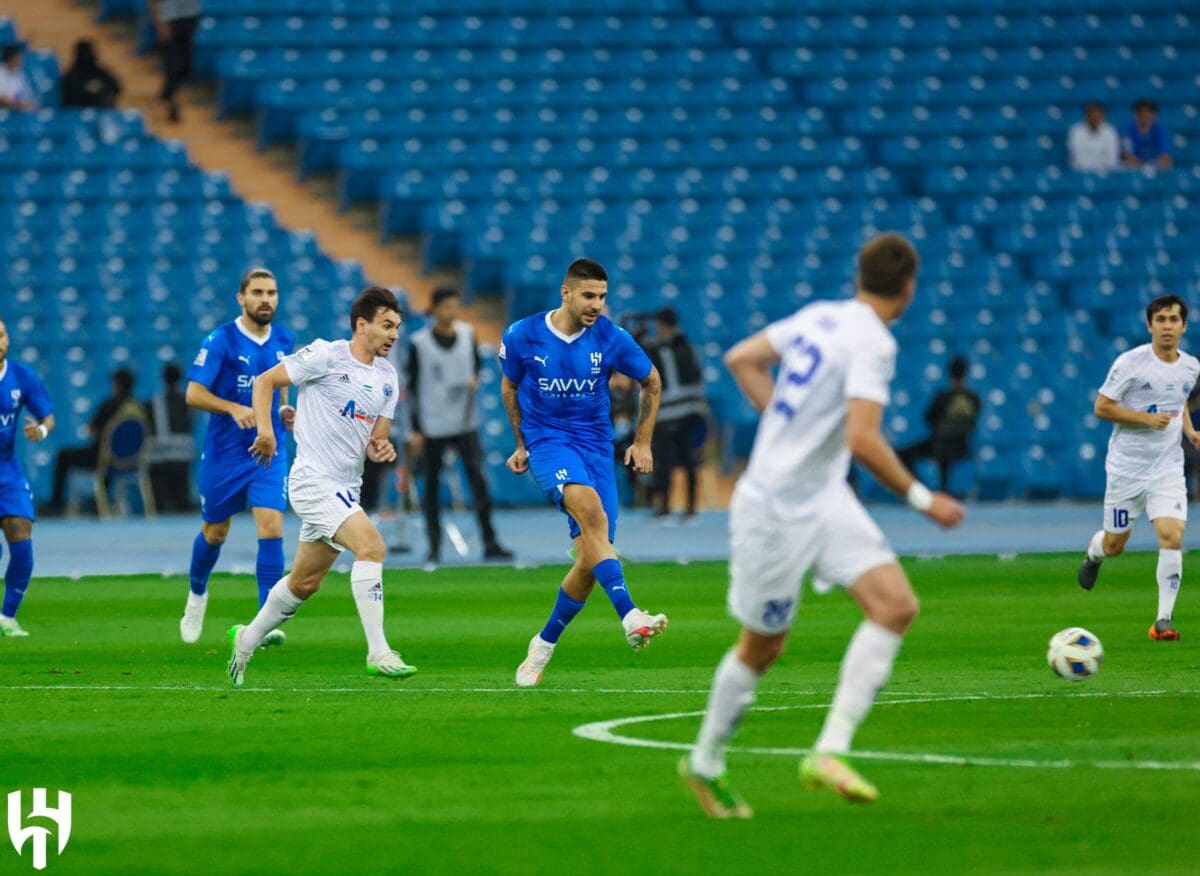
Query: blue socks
(204,557)
(565,609)
(16,579)
(609,575)
(269,568)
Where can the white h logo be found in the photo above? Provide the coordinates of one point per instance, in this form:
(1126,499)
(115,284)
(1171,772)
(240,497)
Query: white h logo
(60,816)
(597,358)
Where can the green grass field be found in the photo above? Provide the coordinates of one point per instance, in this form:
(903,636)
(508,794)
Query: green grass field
(314,767)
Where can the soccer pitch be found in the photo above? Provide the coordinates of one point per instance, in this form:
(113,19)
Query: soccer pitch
(985,762)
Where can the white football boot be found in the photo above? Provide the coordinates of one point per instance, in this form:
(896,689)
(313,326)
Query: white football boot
(641,626)
(529,673)
(192,622)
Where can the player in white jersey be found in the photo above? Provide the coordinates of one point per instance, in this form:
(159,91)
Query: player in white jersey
(345,406)
(1145,398)
(793,512)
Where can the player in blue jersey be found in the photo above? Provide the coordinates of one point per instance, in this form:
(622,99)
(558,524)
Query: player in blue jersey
(557,365)
(221,381)
(19,388)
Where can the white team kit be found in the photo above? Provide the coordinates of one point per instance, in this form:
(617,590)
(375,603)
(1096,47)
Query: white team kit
(338,403)
(792,510)
(1144,466)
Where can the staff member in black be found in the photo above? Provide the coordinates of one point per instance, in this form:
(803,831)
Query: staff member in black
(443,377)
(681,413)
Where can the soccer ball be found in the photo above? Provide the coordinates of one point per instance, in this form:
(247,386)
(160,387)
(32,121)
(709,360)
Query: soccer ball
(1075,654)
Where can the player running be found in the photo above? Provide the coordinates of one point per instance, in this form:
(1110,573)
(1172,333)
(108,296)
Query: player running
(557,366)
(20,388)
(1145,398)
(347,398)
(220,381)
(792,512)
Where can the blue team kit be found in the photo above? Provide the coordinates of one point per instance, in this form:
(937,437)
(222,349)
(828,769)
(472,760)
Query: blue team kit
(227,364)
(20,387)
(564,398)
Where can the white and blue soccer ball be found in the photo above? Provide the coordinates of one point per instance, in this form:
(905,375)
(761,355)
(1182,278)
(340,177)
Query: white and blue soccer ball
(1075,654)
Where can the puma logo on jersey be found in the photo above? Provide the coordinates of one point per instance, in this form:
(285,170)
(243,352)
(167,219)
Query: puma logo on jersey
(245,359)
(541,360)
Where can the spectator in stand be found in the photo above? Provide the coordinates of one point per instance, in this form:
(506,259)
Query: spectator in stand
(951,417)
(15,91)
(172,447)
(1093,143)
(87,457)
(1146,144)
(175,23)
(87,84)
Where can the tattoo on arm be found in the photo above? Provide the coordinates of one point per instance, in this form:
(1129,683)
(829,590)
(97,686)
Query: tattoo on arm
(648,407)
(512,405)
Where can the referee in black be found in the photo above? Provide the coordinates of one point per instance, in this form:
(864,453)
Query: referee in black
(443,379)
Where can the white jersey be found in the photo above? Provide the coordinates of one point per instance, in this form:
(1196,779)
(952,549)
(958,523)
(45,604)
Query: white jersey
(831,351)
(338,403)
(1141,381)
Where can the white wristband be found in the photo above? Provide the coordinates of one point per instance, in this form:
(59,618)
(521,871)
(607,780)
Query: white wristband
(42,428)
(283,408)
(918,497)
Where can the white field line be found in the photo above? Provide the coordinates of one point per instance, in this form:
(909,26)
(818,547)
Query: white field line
(602,731)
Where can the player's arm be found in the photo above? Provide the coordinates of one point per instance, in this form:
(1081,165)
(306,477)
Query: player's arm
(379,446)
(638,454)
(519,461)
(202,398)
(264,448)
(750,363)
(864,438)
(1108,409)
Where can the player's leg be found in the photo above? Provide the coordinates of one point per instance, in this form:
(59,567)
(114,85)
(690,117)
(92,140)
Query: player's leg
(572,595)
(767,561)
(1169,530)
(431,500)
(314,558)
(18,532)
(358,535)
(269,562)
(1124,501)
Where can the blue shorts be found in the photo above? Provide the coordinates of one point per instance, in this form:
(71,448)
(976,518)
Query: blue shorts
(16,498)
(227,489)
(556,465)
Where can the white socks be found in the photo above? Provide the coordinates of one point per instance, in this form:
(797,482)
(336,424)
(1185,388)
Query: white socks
(366,583)
(1170,570)
(865,669)
(281,604)
(732,693)
(1095,549)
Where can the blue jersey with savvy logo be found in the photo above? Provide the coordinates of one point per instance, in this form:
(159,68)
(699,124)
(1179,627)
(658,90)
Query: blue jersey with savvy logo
(228,362)
(20,387)
(565,407)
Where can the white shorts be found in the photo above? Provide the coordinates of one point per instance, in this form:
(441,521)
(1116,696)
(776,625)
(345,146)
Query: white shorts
(1126,498)
(770,555)
(323,506)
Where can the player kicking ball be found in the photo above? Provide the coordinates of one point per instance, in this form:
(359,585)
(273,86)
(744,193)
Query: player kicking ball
(220,382)
(1145,398)
(557,365)
(793,511)
(344,409)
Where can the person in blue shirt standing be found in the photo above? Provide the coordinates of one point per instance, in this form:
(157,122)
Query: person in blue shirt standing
(221,381)
(557,365)
(20,388)
(1145,142)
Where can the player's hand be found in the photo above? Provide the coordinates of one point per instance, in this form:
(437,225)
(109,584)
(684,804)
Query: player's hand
(946,511)
(1158,420)
(287,416)
(640,457)
(243,416)
(263,449)
(32,431)
(381,450)
(1194,440)
(518,463)
(416,444)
